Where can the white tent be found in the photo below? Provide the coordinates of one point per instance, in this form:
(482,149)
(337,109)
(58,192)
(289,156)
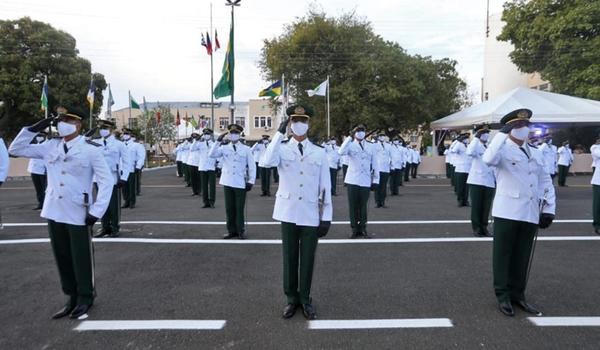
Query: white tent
(547,107)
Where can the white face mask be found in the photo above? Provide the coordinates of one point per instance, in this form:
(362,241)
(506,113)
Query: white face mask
(234,137)
(65,129)
(484,137)
(520,133)
(104,132)
(299,128)
(126,137)
(39,139)
(396,142)
(265,141)
(359,135)
(206,137)
(333,142)
(381,138)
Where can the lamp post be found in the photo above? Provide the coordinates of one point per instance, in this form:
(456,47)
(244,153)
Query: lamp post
(233,4)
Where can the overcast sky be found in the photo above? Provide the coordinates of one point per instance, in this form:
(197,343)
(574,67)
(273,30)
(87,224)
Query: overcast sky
(153,47)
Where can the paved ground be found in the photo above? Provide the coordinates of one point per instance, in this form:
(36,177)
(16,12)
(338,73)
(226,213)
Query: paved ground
(204,278)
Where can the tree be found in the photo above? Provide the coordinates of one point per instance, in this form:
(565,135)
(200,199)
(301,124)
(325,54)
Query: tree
(371,80)
(559,39)
(153,131)
(29,50)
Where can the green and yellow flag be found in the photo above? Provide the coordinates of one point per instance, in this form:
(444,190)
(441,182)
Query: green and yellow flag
(273,90)
(225,85)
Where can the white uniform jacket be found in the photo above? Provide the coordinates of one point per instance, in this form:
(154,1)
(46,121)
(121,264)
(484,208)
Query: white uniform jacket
(565,156)
(4,161)
(178,153)
(36,166)
(239,167)
(333,156)
(480,173)
(550,154)
(397,155)
(462,162)
(452,154)
(140,155)
(185,151)
(258,149)
(303,180)
(69,176)
(384,156)
(363,169)
(447,155)
(415,156)
(521,181)
(194,156)
(117,156)
(206,163)
(596,158)
(131,155)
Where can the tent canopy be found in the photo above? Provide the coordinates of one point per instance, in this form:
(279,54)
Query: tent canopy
(547,107)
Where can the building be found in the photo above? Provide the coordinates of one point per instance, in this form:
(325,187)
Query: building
(500,74)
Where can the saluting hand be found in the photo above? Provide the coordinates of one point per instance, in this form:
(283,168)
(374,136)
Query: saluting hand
(507,128)
(41,125)
(283,126)
(221,137)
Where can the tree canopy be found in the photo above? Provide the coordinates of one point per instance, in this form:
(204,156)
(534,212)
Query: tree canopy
(371,80)
(560,39)
(29,50)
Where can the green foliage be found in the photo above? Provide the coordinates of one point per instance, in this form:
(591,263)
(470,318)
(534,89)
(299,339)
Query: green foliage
(29,50)
(153,132)
(371,80)
(558,38)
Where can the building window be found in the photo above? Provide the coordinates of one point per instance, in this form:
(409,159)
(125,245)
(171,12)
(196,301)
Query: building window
(544,87)
(262,122)
(132,122)
(223,122)
(240,121)
(413,138)
(487,96)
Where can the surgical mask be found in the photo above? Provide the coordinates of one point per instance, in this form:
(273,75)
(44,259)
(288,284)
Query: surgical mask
(396,142)
(234,137)
(333,142)
(206,137)
(520,133)
(465,141)
(381,138)
(359,135)
(65,129)
(126,137)
(265,141)
(104,132)
(484,137)
(299,128)
(39,139)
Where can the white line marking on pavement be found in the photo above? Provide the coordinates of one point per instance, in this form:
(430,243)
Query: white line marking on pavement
(265,223)
(150,325)
(376,324)
(278,241)
(565,321)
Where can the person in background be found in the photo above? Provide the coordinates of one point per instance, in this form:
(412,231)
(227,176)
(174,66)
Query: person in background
(129,190)
(333,158)
(258,149)
(193,162)
(550,155)
(416,160)
(384,162)
(178,154)
(397,156)
(207,167)
(447,159)
(140,163)
(595,160)
(462,164)
(481,183)
(37,169)
(565,159)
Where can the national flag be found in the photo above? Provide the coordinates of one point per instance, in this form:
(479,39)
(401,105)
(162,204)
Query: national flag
(178,120)
(225,85)
(157,117)
(208,49)
(91,92)
(217,44)
(194,122)
(186,119)
(208,44)
(44,98)
(203,123)
(110,102)
(133,103)
(272,90)
(320,90)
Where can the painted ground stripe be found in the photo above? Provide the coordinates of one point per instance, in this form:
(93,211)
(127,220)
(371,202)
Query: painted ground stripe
(150,325)
(378,324)
(266,223)
(277,241)
(565,321)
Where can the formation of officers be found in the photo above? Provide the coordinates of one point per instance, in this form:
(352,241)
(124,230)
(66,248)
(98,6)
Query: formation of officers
(84,175)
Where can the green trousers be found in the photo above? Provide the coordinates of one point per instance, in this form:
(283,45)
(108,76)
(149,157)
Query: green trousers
(513,241)
(186,174)
(138,182)
(179,168)
(462,189)
(596,206)
(72,248)
(452,178)
(407,170)
(195,179)
(481,203)
(208,186)
(448,170)
(563,171)
(381,192)
(299,247)
(394,181)
(333,175)
(357,203)
(129,190)
(112,216)
(401,177)
(235,201)
(265,180)
(39,183)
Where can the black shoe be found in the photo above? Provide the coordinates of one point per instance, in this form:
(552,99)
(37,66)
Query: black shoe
(102,233)
(131,206)
(597,230)
(80,310)
(230,236)
(378,205)
(114,234)
(485,232)
(38,207)
(309,312)
(477,233)
(65,311)
(506,308)
(206,206)
(529,308)
(366,235)
(268,194)
(263,195)
(289,310)
(126,205)
(242,235)
(212,205)
(354,235)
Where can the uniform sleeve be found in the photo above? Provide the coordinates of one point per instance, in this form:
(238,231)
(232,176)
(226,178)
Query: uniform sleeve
(493,154)
(140,158)
(4,161)
(595,152)
(251,167)
(472,149)
(126,161)
(22,147)
(105,183)
(215,150)
(374,167)
(547,193)
(325,189)
(271,157)
(346,148)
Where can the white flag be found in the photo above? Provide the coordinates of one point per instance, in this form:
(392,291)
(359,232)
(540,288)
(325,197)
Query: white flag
(320,90)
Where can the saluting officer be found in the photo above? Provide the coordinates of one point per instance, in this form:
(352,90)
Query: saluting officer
(258,149)
(384,163)
(193,162)
(565,159)
(595,150)
(237,177)
(302,204)
(398,160)
(119,163)
(462,165)
(334,159)
(71,162)
(362,176)
(206,167)
(178,155)
(481,182)
(140,162)
(524,201)
(550,155)
(129,190)
(37,169)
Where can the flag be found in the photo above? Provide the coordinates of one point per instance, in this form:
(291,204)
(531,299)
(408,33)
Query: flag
(320,90)
(186,119)
(203,123)
(178,120)
(133,103)
(217,44)
(157,117)
(273,90)
(208,44)
(225,85)
(110,102)
(208,48)
(91,91)
(194,123)
(44,98)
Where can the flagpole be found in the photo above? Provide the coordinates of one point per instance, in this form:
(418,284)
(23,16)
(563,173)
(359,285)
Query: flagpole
(212,97)
(232,106)
(46,109)
(328,120)
(129,92)
(108,104)
(91,103)
(284,102)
